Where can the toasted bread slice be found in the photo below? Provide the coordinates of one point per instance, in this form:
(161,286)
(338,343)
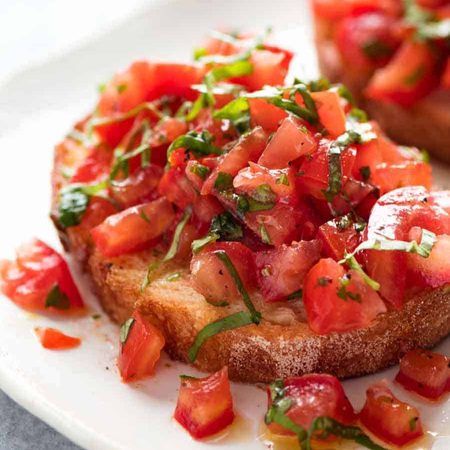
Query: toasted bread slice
(425,125)
(282,345)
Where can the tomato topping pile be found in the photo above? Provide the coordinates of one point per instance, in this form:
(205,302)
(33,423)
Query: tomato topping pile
(39,280)
(263,188)
(141,345)
(53,339)
(425,372)
(400,47)
(205,405)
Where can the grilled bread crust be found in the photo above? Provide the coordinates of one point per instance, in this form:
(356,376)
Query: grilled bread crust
(282,345)
(425,125)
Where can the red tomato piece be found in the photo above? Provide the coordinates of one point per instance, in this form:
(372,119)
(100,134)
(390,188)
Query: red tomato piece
(54,339)
(39,280)
(410,173)
(337,239)
(352,194)
(211,277)
(335,10)
(139,187)
(205,405)
(291,141)
(176,187)
(281,182)
(314,170)
(331,113)
(140,349)
(366,41)
(445,80)
(134,228)
(388,418)
(409,76)
(338,301)
(425,373)
(248,148)
(265,115)
(312,396)
(96,165)
(281,271)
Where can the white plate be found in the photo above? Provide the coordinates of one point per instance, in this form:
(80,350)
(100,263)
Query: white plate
(79,392)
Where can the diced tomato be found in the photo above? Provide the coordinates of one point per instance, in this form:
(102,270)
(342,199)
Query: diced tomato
(410,173)
(248,148)
(269,68)
(368,157)
(134,228)
(176,186)
(442,200)
(331,113)
(433,271)
(54,339)
(388,418)
(265,115)
(281,271)
(96,166)
(314,170)
(335,10)
(338,301)
(445,80)
(211,277)
(139,187)
(39,280)
(140,350)
(366,41)
(409,76)
(205,208)
(338,236)
(312,396)
(289,143)
(281,182)
(392,217)
(205,405)
(425,373)
(352,194)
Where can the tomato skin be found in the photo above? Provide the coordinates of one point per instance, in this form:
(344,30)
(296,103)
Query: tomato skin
(139,187)
(28,280)
(96,165)
(445,80)
(425,373)
(176,187)
(410,173)
(314,170)
(265,115)
(355,35)
(129,231)
(312,396)
(335,10)
(408,77)
(288,143)
(281,271)
(388,418)
(141,350)
(326,311)
(282,182)
(211,278)
(331,113)
(205,405)
(337,241)
(248,148)
(53,339)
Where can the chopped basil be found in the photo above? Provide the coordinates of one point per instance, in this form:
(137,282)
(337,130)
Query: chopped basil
(344,222)
(265,237)
(324,281)
(96,316)
(354,264)
(219,304)
(375,49)
(121,88)
(223,181)
(238,112)
(295,295)
(344,93)
(319,85)
(198,244)
(199,143)
(345,294)
(57,299)
(236,320)
(264,194)
(173,276)
(414,77)
(144,216)
(200,170)
(222,255)
(199,53)
(359,115)
(282,179)
(413,423)
(125,330)
(365,172)
(226,227)
(201,102)
(435,30)
(154,265)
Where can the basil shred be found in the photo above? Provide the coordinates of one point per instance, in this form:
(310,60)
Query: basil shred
(321,427)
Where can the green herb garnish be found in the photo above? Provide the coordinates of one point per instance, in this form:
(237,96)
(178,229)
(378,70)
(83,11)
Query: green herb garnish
(125,330)
(57,299)
(199,143)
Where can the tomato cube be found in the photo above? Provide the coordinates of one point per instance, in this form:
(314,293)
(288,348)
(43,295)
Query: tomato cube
(53,339)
